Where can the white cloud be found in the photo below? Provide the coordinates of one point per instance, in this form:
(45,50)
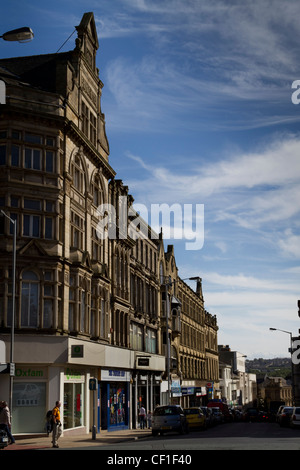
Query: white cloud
(249,283)
(290,245)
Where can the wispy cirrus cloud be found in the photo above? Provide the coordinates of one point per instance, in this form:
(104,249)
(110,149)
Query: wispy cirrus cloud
(256,192)
(204,54)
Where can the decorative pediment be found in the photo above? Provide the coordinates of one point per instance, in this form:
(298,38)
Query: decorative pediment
(33,249)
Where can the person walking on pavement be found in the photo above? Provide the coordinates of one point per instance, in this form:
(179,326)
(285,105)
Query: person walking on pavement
(5,420)
(56,432)
(142,417)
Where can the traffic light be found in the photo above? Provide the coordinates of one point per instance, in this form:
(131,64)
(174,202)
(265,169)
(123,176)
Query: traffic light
(298,308)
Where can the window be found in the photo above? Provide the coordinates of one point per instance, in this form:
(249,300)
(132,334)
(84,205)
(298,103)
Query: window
(49,161)
(15,155)
(85,119)
(16,135)
(89,123)
(48,306)
(83,309)
(2,154)
(49,228)
(31,225)
(93,129)
(151,340)
(33,138)
(72,303)
(77,224)
(29,299)
(14,201)
(136,337)
(97,247)
(32,159)
(78,175)
(73,405)
(33,204)
(32,155)
(97,192)
(102,319)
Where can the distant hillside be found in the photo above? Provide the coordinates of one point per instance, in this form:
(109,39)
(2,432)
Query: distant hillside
(279,367)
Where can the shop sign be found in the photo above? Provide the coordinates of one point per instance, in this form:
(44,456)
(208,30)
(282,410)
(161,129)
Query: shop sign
(113,375)
(200,391)
(74,375)
(176,388)
(143,361)
(188,390)
(29,372)
(77,350)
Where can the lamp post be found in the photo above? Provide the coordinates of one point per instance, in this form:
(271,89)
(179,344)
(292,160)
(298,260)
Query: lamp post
(291,351)
(167,285)
(24,34)
(12,337)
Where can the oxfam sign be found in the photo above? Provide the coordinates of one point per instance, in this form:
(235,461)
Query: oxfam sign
(29,373)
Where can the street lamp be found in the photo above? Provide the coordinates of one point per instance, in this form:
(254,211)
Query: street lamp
(24,34)
(168,284)
(12,373)
(291,351)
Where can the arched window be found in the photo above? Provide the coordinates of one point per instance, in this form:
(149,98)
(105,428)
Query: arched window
(98,196)
(30,300)
(78,174)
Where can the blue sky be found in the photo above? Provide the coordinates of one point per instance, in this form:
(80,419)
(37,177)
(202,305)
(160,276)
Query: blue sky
(197,99)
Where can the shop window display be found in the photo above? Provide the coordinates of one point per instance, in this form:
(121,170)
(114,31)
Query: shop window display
(117,401)
(73,405)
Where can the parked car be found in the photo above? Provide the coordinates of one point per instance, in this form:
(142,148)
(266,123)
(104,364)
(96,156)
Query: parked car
(237,415)
(168,418)
(195,418)
(285,416)
(218,415)
(209,417)
(264,416)
(295,417)
(250,415)
(224,409)
(279,413)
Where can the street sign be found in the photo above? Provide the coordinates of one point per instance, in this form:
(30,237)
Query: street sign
(93,384)
(12,369)
(2,92)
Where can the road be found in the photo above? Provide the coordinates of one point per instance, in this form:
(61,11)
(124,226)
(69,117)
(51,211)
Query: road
(229,436)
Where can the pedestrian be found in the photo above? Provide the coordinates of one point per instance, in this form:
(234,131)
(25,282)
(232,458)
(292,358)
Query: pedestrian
(5,421)
(56,431)
(142,417)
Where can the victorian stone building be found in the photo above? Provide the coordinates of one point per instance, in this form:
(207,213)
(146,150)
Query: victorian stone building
(90,286)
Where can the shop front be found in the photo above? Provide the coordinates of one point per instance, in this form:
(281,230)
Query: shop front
(115,399)
(146,388)
(29,399)
(74,398)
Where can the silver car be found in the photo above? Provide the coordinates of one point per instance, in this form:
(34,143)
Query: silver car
(295,418)
(168,418)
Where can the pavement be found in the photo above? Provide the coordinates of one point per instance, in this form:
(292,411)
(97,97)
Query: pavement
(78,441)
